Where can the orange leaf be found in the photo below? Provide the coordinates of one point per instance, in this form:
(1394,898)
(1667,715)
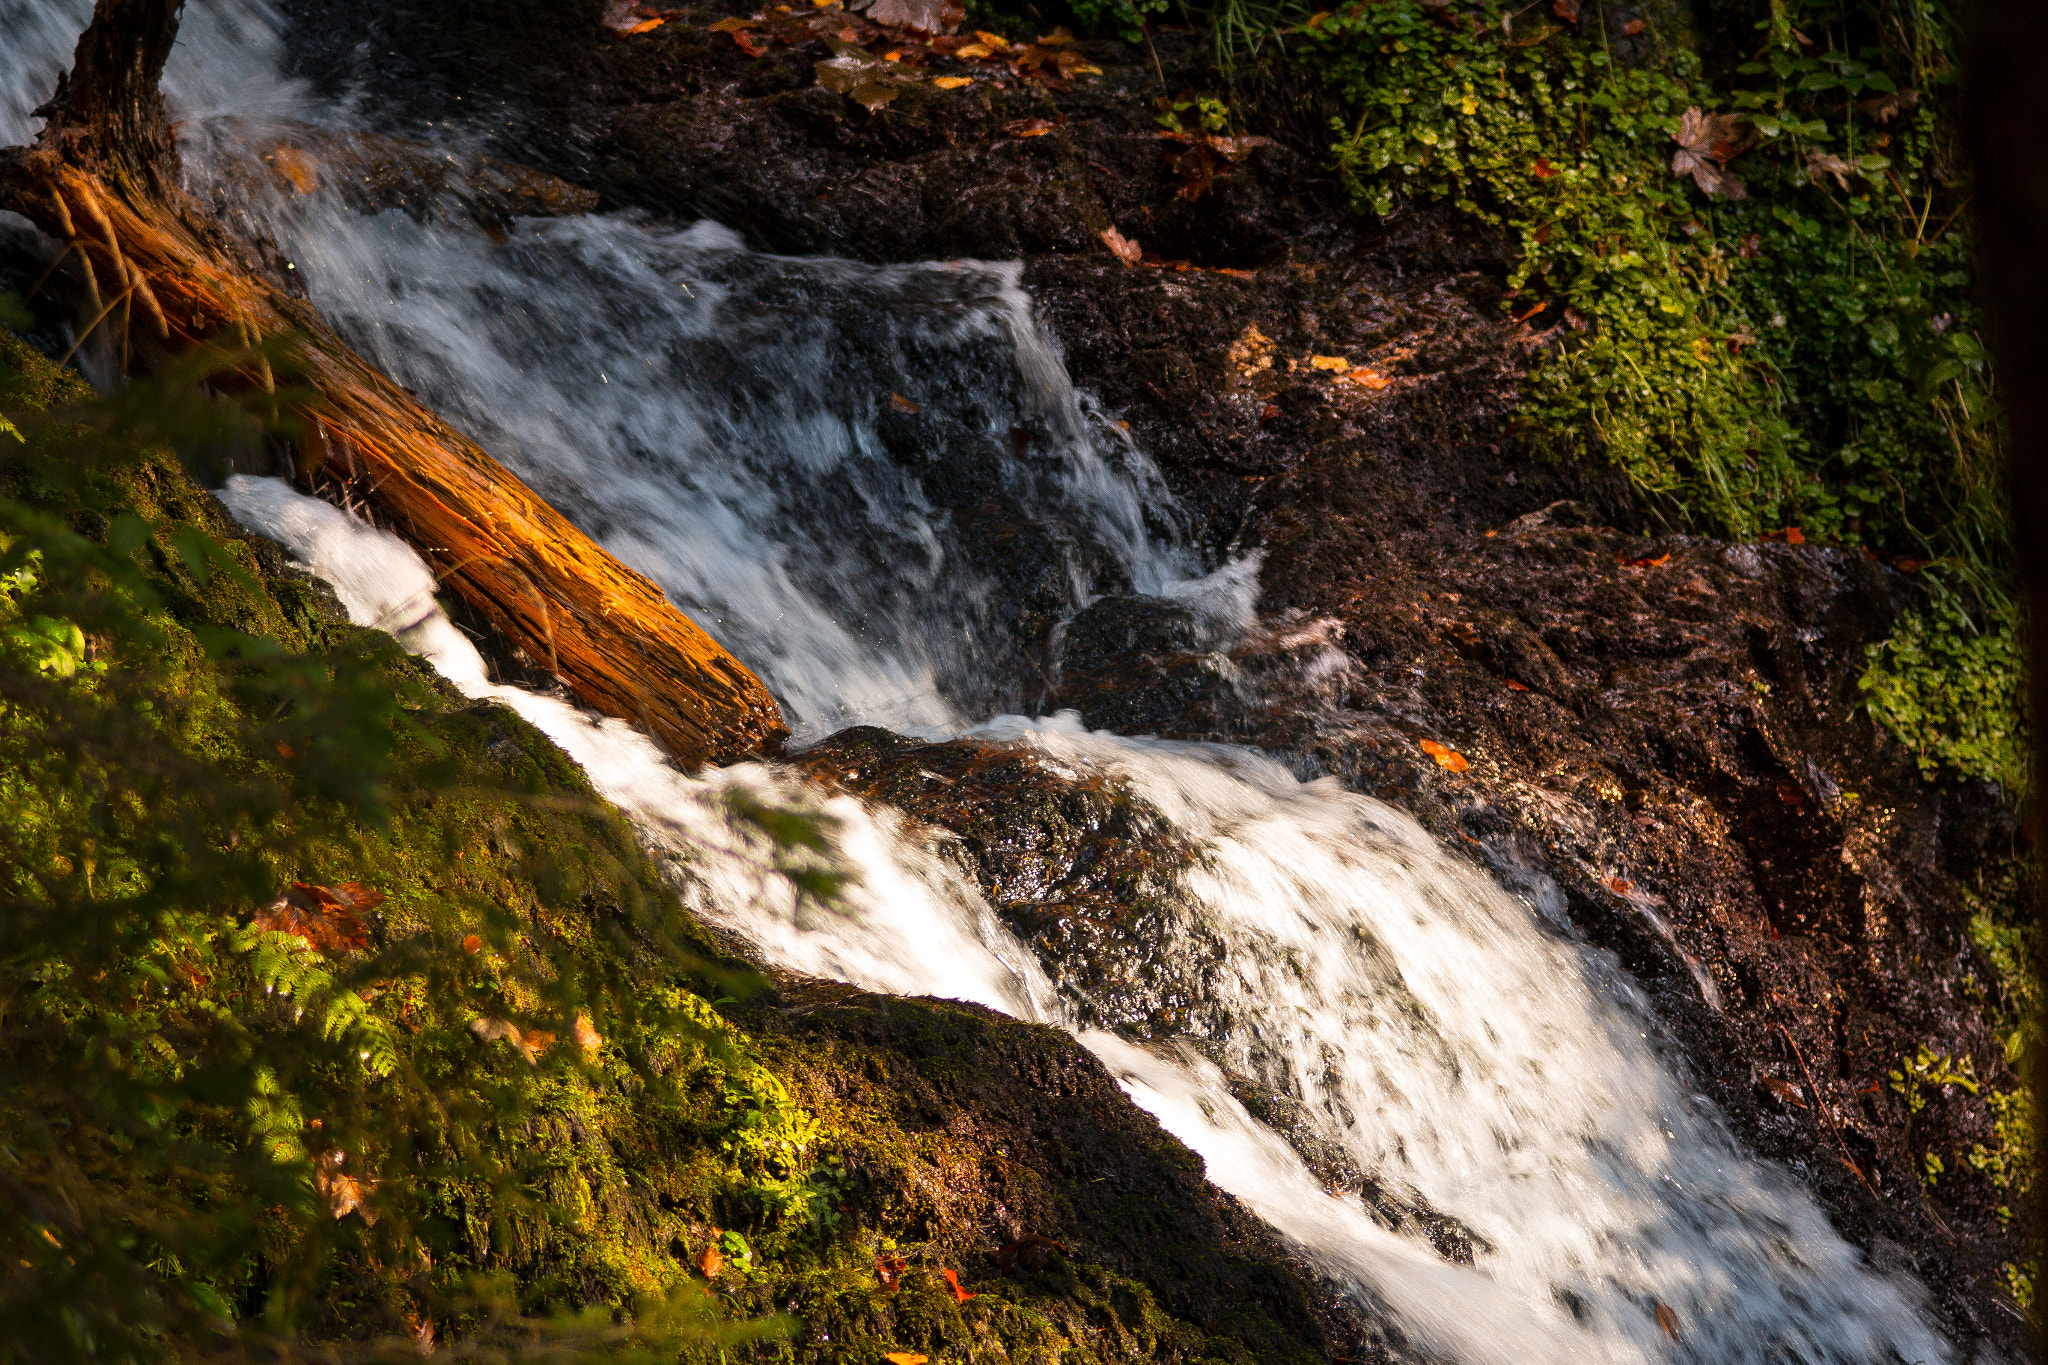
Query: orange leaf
(1514,686)
(643,26)
(1543,170)
(1445,756)
(1632,27)
(995,41)
(1329,362)
(1028,127)
(904,1358)
(1628,563)
(713,1260)
(587,1036)
(1620,886)
(298,167)
(1668,1320)
(1794,536)
(472,944)
(971,51)
(904,405)
(327,917)
(951,82)
(959,1295)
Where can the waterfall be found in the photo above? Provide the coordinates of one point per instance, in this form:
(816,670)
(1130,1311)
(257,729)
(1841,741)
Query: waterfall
(741,428)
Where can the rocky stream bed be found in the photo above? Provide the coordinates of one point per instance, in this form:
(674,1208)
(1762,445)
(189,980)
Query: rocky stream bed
(1651,736)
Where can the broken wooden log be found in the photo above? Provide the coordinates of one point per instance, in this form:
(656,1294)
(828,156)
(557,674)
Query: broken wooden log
(154,265)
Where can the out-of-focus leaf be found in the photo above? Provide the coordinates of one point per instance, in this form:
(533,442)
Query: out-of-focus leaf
(1124,248)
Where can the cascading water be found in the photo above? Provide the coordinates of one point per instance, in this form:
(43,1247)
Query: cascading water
(727,422)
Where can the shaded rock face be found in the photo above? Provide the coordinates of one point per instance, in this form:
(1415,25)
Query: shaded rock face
(1664,752)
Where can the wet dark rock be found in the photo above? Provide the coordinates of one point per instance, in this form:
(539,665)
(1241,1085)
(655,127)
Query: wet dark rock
(1077,866)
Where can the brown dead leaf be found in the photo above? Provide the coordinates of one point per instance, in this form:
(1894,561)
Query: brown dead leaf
(327,917)
(1706,144)
(905,405)
(889,1270)
(1668,1320)
(1446,757)
(1238,148)
(302,169)
(1366,379)
(1632,27)
(1542,169)
(922,16)
(959,1295)
(1819,163)
(1030,1248)
(344,1193)
(528,1045)
(1567,10)
(1028,127)
(1124,248)
(1885,108)
(1784,1092)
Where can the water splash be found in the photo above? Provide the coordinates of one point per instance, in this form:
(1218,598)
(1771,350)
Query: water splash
(1415,1011)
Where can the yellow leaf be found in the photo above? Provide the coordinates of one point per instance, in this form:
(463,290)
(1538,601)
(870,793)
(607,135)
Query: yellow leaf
(951,82)
(1084,71)
(1330,362)
(904,1358)
(973,50)
(994,40)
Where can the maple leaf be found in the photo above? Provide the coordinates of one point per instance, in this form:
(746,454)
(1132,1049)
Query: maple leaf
(1445,756)
(1124,248)
(1706,144)
(344,1193)
(327,917)
(959,1295)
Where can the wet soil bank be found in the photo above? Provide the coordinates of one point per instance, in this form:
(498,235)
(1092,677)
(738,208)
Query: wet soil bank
(1663,744)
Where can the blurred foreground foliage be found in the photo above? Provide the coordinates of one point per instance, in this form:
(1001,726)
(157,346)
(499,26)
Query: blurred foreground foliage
(333,1008)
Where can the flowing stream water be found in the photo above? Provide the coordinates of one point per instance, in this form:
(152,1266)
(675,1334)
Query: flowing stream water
(738,426)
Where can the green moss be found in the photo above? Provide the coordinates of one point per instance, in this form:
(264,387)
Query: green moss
(516,1093)
(1806,356)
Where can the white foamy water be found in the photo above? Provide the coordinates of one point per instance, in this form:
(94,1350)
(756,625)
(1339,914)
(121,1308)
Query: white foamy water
(1431,1028)
(724,421)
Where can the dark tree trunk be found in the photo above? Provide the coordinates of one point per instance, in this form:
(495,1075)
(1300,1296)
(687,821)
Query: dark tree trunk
(2007,69)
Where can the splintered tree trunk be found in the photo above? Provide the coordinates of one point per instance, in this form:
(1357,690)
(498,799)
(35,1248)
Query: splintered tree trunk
(101,178)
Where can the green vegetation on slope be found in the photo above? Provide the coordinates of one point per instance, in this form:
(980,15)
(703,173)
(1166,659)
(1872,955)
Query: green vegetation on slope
(336,1009)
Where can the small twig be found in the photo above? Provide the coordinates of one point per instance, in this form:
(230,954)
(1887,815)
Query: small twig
(117,302)
(1820,1103)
